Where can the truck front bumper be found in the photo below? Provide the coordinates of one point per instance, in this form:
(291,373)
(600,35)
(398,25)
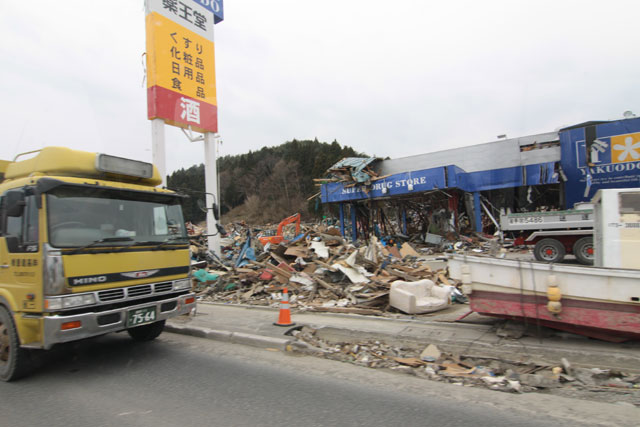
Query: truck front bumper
(99,323)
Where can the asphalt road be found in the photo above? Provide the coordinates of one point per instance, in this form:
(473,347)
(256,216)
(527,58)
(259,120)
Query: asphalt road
(184,381)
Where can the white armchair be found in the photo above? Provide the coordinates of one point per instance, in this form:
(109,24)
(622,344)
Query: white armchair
(422,296)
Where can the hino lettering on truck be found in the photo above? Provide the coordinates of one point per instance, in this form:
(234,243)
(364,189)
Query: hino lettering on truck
(89,280)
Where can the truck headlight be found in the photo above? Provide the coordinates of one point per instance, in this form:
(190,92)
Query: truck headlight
(181,284)
(78,300)
(53,303)
(70,301)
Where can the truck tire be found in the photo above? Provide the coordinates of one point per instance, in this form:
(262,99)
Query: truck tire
(15,361)
(583,250)
(146,332)
(549,250)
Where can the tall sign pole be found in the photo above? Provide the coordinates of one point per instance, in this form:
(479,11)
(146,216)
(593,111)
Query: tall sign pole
(158,151)
(181,85)
(211,185)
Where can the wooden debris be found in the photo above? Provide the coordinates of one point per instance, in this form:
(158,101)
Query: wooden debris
(349,279)
(407,250)
(414,362)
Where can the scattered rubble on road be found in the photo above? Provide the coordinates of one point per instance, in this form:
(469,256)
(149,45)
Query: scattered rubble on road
(468,370)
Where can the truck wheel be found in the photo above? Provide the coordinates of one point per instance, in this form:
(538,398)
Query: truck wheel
(549,250)
(583,250)
(146,332)
(14,360)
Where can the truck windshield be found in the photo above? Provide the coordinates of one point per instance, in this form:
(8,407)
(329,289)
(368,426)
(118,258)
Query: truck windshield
(81,216)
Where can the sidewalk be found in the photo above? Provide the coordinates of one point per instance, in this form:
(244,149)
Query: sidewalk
(476,336)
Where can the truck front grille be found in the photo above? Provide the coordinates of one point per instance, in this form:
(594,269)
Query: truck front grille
(137,291)
(134,292)
(163,287)
(111,294)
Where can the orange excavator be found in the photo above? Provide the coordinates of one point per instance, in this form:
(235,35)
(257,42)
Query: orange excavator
(278,237)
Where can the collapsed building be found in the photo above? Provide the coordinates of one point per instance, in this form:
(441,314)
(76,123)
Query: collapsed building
(463,190)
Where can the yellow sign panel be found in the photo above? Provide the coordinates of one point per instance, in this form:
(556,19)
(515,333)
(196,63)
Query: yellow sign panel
(625,148)
(180,60)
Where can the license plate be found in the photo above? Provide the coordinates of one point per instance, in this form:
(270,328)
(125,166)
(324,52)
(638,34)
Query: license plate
(141,316)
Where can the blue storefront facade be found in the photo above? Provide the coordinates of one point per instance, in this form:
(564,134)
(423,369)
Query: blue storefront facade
(578,160)
(600,155)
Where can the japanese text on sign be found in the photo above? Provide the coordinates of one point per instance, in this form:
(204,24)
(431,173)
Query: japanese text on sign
(181,64)
(187,13)
(184,61)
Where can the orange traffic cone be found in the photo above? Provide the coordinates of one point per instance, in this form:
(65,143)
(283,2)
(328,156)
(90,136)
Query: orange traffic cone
(284,319)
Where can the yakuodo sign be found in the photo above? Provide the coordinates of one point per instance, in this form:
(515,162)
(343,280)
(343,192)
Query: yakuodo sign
(598,156)
(181,86)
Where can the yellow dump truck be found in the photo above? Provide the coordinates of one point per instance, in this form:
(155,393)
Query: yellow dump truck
(88,245)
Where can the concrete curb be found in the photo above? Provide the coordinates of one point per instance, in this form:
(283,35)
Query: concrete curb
(403,319)
(228,336)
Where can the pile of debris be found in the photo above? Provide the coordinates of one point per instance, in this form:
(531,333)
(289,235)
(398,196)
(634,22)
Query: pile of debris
(321,271)
(468,370)
(193,230)
(354,170)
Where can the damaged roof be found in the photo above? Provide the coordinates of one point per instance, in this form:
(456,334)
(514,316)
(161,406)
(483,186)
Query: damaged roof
(355,166)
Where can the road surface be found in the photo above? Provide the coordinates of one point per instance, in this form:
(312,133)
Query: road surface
(184,381)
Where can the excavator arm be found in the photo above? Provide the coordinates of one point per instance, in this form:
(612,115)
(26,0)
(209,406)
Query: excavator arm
(290,220)
(279,236)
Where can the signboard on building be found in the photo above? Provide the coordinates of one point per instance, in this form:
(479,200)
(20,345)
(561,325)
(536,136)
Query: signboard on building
(393,185)
(181,86)
(214,6)
(596,156)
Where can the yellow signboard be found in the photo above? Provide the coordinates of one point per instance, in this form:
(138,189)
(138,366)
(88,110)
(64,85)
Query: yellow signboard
(625,148)
(180,60)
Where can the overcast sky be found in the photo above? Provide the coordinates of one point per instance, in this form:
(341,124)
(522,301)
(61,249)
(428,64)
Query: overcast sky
(389,78)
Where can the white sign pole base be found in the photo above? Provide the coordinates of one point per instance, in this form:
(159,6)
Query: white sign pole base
(211,187)
(159,157)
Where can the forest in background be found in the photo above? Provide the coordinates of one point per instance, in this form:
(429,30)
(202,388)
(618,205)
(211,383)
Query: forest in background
(264,186)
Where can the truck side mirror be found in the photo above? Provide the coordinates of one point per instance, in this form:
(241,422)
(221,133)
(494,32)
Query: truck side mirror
(14,203)
(214,208)
(221,229)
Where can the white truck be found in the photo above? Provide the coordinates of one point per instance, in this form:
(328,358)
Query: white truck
(554,233)
(601,301)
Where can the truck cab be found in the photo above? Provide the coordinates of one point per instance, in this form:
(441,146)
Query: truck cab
(88,245)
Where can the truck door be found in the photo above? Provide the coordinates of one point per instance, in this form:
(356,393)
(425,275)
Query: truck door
(20,269)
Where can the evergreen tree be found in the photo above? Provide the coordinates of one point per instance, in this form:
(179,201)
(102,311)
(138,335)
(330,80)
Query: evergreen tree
(277,180)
